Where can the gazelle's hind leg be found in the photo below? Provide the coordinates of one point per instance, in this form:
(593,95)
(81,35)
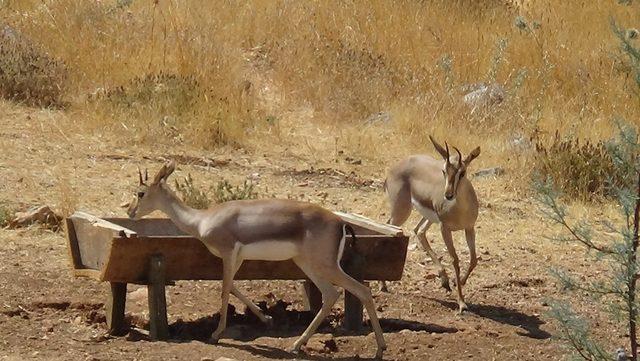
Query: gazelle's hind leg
(329,298)
(340,278)
(470,234)
(421,233)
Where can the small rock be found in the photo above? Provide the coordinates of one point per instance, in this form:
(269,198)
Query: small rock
(380,117)
(482,96)
(42,214)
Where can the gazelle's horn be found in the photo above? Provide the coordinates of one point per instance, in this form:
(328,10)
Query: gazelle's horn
(447,147)
(459,157)
(140,176)
(146,174)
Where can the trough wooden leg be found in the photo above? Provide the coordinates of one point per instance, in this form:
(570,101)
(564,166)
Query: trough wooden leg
(354,267)
(158,326)
(115,308)
(352,312)
(312,297)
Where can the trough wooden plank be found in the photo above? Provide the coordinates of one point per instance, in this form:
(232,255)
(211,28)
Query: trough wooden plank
(365,222)
(92,244)
(187,258)
(102,223)
(74,250)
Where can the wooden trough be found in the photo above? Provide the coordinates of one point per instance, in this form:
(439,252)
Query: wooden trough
(155,252)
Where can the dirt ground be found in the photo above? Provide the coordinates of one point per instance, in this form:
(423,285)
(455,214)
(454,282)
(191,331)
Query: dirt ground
(47,314)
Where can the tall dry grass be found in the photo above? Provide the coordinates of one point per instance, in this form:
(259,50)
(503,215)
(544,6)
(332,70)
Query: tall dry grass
(249,64)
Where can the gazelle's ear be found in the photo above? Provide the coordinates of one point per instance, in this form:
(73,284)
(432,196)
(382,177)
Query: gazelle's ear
(164,172)
(473,155)
(440,149)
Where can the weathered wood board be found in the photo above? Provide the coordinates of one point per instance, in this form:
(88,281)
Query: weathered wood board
(119,249)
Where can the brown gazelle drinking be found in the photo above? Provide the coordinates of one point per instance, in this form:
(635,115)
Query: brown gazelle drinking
(441,193)
(272,230)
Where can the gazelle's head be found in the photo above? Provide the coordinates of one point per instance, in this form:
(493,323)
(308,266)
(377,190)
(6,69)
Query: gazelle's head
(148,196)
(454,169)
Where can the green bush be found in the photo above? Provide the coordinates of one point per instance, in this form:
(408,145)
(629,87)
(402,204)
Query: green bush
(191,194)
(225,191)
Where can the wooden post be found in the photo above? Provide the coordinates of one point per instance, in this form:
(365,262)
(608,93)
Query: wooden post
(352,306)
(312,297)
(158,326)
(115,308)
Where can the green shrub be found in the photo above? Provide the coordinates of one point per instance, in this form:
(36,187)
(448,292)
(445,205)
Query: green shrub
(225,191)
(191,194)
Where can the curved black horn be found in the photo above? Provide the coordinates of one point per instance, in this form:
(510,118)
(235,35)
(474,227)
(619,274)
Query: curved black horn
(459,157)
(146,174)
(140,176)
(447,147)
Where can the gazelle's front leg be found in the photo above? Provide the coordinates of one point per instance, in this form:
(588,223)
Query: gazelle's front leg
(470,234)
(448,241)
(421,232)
(229,267)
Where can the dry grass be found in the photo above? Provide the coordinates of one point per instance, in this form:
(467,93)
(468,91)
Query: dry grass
(267,73)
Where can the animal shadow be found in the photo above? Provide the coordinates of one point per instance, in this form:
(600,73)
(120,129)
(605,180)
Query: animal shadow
(530,324)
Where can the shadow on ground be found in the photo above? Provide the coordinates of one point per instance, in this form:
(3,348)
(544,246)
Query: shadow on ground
(287,323)
(530,324)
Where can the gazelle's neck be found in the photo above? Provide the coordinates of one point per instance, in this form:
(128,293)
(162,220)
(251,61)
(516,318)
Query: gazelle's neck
(184,217)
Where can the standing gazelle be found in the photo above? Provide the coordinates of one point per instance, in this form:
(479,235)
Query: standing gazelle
(441,193)
(270,230)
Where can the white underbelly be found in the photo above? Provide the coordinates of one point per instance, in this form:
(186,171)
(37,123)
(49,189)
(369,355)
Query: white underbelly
(268,251)
(427,213)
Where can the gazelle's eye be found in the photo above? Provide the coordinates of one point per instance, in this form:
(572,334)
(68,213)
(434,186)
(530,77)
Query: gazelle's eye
(140,194)
(463,173)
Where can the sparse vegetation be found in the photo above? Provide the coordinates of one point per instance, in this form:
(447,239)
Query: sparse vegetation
(345,61)
(583,171)
(225,191)
(6,214)
(612,244)
(27,73)
(192,195)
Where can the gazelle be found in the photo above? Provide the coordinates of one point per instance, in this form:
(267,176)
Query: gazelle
(271,230)
(441,193)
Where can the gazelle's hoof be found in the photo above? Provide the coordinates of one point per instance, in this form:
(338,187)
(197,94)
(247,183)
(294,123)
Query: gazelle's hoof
(214,340)
(380,352)
(462,307)
(295,350)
